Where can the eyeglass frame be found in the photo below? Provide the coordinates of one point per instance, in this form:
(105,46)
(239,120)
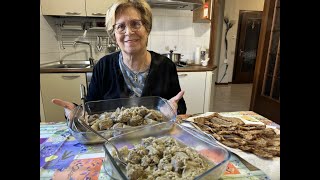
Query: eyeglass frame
(131,28)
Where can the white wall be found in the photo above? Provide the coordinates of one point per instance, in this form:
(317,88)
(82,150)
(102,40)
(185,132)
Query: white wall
(231,10)
(49,46)
(219,30)
(170,28)
(175,28)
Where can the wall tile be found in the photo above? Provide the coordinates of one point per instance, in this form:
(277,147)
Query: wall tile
(69,56)
(186,44)
(200,29)
(186,13)
(49,46)
(157,44)
(172,41)
(171,26)
(172,12)
(149,42)
(157,25)
(185,26)
(49,57)
(158,11)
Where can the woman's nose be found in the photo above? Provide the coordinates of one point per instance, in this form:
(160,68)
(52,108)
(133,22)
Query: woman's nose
(128,30)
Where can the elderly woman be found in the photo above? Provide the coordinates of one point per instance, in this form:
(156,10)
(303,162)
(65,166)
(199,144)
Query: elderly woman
(133,71)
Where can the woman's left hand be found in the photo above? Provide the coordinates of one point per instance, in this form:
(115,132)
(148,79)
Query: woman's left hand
(174,101)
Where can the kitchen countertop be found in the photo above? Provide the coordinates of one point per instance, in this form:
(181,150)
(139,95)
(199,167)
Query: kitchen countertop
(189,68)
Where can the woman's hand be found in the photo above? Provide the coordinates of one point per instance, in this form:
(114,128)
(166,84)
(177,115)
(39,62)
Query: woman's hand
(68,106)
(174,101)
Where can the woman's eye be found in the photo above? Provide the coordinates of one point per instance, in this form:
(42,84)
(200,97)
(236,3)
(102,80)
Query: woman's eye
(135,24)
(121,27)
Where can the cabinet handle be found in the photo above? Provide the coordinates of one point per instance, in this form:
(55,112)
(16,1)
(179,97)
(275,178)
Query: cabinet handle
(69,77)
(182,75)
(100,14)
(73,13)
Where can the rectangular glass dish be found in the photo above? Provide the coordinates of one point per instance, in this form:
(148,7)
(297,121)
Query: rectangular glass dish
(98,107)
(216,155)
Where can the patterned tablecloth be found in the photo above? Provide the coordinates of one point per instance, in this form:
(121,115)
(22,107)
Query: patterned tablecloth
(63,157)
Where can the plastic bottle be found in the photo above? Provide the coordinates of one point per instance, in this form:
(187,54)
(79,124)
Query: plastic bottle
(197,56)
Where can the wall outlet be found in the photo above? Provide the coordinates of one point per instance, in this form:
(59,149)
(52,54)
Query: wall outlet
(225,61)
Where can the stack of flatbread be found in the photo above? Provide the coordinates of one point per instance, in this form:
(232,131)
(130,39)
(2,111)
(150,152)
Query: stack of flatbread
(233,132)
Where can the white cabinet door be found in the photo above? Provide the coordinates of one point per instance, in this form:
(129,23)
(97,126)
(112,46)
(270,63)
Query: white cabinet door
(63,7)
(98,8)
(209,92)
(65,86)
(194,84)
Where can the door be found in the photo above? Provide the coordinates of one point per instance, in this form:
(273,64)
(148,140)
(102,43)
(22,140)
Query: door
(247,45)
(265,98)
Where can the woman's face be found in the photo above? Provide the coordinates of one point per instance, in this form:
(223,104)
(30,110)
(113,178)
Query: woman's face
(132,40)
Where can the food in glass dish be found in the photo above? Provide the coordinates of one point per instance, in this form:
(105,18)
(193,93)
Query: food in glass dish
(162,158)
(124,117)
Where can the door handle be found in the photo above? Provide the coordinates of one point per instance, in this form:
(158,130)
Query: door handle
(241,52)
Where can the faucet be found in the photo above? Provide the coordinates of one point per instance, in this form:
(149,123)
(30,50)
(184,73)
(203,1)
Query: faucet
(91,60)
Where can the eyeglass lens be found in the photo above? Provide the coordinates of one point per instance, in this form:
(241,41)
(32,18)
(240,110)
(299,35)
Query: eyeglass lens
(133,24)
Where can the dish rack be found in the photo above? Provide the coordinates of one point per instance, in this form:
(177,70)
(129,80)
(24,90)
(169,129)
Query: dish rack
(97,36)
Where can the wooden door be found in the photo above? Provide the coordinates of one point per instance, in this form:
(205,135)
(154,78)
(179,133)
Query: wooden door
(247,45)
(265,98)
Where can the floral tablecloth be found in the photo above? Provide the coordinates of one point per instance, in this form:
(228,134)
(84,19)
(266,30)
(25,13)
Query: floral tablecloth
(63,157)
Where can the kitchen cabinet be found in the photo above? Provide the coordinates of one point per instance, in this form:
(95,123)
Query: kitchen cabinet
(198,87)
(91,8)
(65,86)
(63,7)
(98,8)
(203,14)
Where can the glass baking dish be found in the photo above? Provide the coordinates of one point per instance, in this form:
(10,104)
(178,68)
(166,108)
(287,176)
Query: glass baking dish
(98,107)
(215,154)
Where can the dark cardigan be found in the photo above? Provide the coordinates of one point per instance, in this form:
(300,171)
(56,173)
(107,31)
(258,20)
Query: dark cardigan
(107,81)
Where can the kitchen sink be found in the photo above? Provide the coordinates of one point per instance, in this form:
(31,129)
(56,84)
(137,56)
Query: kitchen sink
(67,66)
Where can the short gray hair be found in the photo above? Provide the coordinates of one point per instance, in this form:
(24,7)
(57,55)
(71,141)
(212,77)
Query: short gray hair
(141,5)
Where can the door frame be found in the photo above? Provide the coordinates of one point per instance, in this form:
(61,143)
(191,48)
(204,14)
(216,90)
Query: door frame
(264,39)
(236,59)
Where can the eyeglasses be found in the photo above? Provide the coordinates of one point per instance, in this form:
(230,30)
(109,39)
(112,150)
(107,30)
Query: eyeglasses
(134,25)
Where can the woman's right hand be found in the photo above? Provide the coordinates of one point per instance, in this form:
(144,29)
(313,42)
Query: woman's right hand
(68,106)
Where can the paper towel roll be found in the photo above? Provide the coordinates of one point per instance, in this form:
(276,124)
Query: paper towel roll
(197,56)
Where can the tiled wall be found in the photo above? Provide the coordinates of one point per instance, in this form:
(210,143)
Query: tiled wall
(49,46)
(175,28)
(170,28)
(68,51)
